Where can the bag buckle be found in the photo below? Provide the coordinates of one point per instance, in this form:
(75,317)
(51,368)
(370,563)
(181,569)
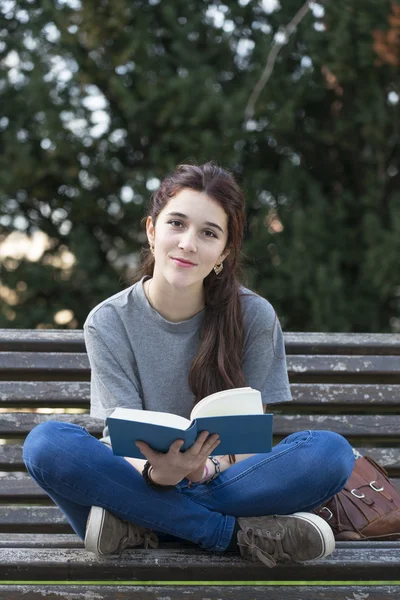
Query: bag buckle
(330,513)
(376,489)
(354,492)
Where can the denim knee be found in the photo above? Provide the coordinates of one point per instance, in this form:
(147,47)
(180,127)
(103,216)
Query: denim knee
(36,446)
(337,457)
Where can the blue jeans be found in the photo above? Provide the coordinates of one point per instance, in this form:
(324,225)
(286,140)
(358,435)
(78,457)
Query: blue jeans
(78,471)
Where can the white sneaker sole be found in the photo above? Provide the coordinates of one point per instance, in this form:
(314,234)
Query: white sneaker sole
(94,527)
(324,530)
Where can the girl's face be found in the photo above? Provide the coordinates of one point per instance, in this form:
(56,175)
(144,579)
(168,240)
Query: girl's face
(191,227)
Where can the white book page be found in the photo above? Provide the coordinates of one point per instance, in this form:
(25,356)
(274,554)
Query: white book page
(151,416)
(239,401)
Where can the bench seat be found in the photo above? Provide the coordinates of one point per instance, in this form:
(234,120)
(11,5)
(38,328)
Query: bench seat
(198,592)
(43,560)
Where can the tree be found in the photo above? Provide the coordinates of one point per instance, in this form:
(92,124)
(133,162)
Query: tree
(328,215)
(102,99)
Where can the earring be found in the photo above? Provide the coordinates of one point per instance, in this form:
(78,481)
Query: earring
(218,268)
(151,248)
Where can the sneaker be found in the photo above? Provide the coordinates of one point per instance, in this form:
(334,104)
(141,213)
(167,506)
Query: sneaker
(106,534)
(290,538)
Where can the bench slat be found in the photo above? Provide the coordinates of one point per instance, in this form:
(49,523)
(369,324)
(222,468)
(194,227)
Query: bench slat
(11,457)
(35,340)
(366,564)
(64,340)
(33,519)
(23,488)
(342,343)
(327,394)
(77,393)
(45,393)
(204,592)
(20,424)
(366,426)
(335,366)
(369,426)
(40,540)
(60,363)
(71,540)
(46,362)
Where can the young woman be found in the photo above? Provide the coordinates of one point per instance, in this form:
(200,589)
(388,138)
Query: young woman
(184,330)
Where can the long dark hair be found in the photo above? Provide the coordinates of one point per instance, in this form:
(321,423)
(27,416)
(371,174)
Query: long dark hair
(218,363)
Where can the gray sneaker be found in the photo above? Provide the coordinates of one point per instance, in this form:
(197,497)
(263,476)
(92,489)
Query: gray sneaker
(106,534)
(288,538)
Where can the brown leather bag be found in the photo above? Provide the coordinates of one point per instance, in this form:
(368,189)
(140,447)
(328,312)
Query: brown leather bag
(367,508)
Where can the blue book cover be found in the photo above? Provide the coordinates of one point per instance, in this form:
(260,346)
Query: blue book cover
(239,434)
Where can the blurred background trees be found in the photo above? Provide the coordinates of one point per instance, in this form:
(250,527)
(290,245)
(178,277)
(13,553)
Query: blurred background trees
(99,100)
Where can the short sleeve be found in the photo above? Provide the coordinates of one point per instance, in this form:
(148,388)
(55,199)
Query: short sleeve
(264,359)
(112,382)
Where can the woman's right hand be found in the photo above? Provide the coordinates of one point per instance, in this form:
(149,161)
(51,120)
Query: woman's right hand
(171,467)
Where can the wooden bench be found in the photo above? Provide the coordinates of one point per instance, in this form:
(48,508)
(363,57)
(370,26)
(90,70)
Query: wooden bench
(342,382)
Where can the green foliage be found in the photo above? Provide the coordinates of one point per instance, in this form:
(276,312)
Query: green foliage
(319,161)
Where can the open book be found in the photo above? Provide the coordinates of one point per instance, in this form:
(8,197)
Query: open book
(236,415)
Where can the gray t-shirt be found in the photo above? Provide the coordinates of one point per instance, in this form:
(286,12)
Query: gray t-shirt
(140,360)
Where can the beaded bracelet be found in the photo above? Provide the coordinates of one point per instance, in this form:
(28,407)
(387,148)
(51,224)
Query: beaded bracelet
(205,479)
(217,468)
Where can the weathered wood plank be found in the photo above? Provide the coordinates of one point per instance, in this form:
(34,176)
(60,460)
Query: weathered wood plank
(48,340)
(45,393)
(64,362)
(368,395)
(33,519)
(342,343)
(62,340)
(368,564)
(11,457)
(65,540)
(40,540)
(332,367)
(18,423)
(71,540)
(20,489)
(378,426)
(335,367)
(77,393)
(24,489)
(365,426)
(203,592)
